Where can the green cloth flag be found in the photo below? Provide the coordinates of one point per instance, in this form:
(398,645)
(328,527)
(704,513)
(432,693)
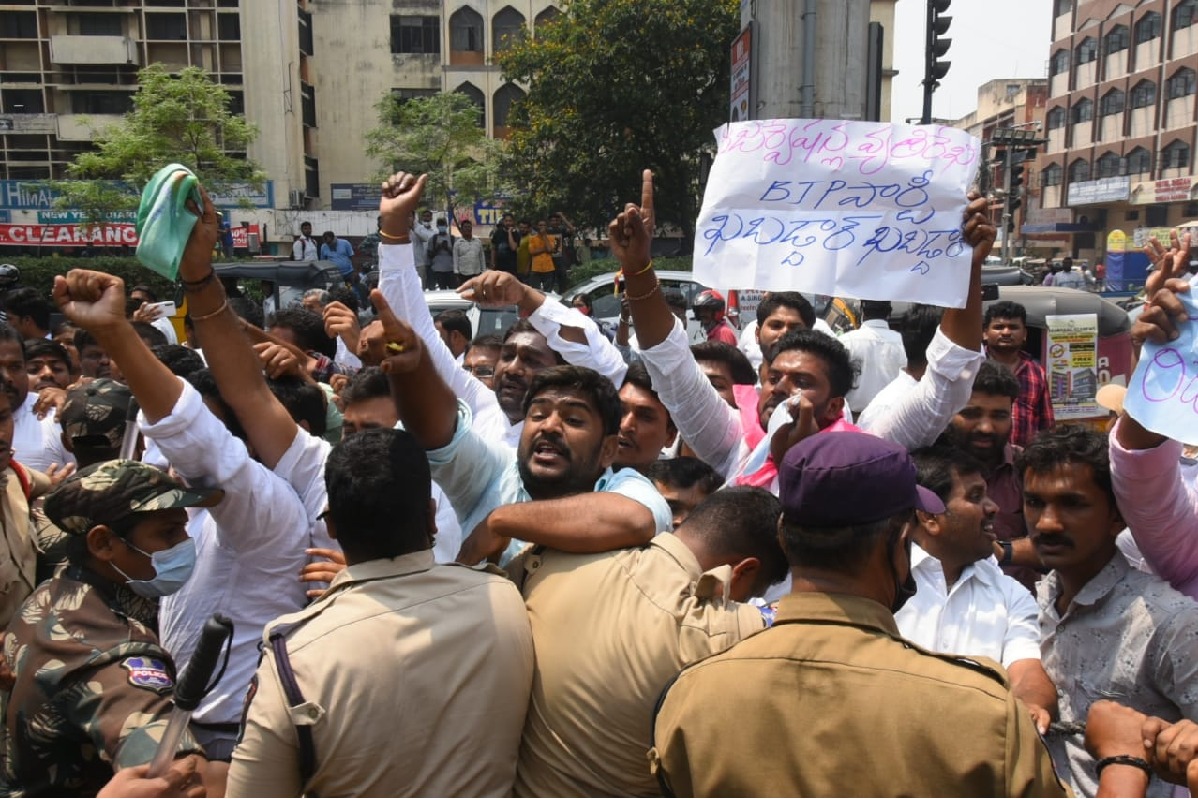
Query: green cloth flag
(163,221)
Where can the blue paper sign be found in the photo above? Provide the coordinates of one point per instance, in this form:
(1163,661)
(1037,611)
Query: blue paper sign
(1163,395)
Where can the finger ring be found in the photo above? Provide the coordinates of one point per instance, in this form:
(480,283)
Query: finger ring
(395,347)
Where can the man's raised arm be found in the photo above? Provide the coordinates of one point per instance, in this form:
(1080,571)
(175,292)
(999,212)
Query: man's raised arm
(233,362)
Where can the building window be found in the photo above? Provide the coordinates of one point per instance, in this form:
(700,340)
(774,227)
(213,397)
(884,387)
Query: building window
(1051,175)
(1062,7)
(1083,110)
(507,28)
(1111,103)
(1079,171)
(466,31)
(311,176)
(1087,51)
(508,94)
(304,22)
(415,34)
(1185,15)
(228,27)
(1183,83)
(1108,165)
(1139,161)
(237,103)
(1148,28)
(480,100)
(403,95)
(96,25)
(1059,63)
(101,102)
(22,101)
(1143,94)
(546,16)
(308,103)
(1176,155)
(1117,39)
(18,25)
(1055,118)
(166,26)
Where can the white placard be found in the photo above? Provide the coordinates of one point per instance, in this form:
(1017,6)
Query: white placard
(852,209)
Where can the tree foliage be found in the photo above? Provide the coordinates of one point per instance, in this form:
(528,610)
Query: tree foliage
(441,135)
(176,118)
(616,86)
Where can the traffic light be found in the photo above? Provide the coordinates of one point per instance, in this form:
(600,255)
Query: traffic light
(935,49)
(1015,193)
(938,25)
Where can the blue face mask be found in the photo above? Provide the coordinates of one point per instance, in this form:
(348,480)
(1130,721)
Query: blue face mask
(172,567)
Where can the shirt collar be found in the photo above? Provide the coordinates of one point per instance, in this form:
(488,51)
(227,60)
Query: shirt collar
(985,570)
(1099,587)
(380,568)
(845,609)
(876,324)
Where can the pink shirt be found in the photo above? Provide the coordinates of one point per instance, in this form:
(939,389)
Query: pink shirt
(1159,502)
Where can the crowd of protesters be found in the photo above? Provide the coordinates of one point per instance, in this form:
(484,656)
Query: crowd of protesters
(572,561)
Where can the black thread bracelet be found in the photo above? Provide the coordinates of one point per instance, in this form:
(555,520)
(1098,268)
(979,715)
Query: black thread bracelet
(1123,760)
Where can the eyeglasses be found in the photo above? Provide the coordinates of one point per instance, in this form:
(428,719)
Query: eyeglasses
(481,371)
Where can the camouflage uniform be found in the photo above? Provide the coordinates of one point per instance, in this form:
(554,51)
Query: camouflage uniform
(93,685)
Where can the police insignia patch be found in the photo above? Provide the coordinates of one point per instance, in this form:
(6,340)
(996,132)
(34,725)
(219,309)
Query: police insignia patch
(148,673)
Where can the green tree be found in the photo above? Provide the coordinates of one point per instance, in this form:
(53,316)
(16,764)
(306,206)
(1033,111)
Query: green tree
(441,135)
(176,118)
(616,86)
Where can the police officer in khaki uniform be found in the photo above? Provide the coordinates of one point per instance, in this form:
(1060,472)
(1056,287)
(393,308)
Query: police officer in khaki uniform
(831,701)
(612,629)
(92,684)
(405,678)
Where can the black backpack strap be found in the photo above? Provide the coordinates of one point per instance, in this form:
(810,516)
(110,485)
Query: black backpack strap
(295,698)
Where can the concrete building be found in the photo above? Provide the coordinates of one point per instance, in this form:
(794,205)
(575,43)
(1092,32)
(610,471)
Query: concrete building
(1010,103)
(1121,122)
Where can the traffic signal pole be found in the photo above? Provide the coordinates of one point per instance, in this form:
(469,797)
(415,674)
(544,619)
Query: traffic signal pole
(1007,211)
(934,49)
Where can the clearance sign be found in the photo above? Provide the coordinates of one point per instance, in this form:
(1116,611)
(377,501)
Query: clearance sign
(68,235)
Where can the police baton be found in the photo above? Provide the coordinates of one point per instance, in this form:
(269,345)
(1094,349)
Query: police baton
(192,687)
(129,442)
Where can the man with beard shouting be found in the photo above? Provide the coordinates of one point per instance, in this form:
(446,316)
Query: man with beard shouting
(983,429)
(557,489)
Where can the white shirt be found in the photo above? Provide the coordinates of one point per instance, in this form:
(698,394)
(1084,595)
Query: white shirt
(37,443)
(922,410)
(421,233)
(984,614)
(878,352)
(165,327)
(1073,279)
(249,548)
(400,285)
(304,249)
(302,466)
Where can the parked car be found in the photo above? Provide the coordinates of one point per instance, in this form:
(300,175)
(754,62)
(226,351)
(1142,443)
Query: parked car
(605,303)
(483,320)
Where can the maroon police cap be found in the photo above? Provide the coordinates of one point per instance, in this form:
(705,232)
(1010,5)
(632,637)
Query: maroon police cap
(845,479)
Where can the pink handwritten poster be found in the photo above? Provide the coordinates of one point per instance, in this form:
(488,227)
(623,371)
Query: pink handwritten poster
(1163,394)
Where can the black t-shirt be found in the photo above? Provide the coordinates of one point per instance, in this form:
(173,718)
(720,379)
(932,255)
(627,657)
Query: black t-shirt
(505,256)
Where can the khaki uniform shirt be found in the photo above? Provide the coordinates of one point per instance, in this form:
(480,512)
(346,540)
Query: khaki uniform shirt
(611,630)
(832,702)
(416,681)
(18,550)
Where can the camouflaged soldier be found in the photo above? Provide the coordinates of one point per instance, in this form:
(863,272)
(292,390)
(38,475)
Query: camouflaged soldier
(92,684)
(93,423)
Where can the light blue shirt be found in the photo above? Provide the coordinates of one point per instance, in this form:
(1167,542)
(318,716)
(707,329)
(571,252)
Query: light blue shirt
(340,254)
(479,476)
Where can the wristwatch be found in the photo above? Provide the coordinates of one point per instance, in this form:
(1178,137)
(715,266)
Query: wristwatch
(1008,552)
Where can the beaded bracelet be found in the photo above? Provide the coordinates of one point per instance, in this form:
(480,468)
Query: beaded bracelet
(647,294)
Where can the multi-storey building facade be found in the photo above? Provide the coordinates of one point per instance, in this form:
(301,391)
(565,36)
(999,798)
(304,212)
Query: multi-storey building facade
(1121,120)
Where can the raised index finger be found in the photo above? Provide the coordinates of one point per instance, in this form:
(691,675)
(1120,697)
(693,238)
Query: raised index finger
(647,194)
